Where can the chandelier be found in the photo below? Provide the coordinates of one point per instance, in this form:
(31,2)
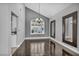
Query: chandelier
(39,19)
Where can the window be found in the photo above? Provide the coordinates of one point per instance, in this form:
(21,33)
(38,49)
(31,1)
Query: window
(37,26)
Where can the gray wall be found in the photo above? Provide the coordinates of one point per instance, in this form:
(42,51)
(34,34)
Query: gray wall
(4,29)
(19,10)
(58,18)
(30,15)
(5,26)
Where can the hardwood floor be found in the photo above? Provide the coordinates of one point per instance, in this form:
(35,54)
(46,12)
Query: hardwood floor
(39,47)
(20,51)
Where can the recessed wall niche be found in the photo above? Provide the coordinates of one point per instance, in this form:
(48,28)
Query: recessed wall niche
(70,29)
(14,23)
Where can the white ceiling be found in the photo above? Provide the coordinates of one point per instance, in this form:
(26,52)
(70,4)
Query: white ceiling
(47,9)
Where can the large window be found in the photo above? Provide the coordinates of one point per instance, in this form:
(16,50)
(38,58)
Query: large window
(37,26)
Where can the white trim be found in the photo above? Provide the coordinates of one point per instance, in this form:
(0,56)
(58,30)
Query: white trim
(20,44)
(27,38)
(66,46)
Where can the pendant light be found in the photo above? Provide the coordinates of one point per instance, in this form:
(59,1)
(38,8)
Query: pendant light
(39,19)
